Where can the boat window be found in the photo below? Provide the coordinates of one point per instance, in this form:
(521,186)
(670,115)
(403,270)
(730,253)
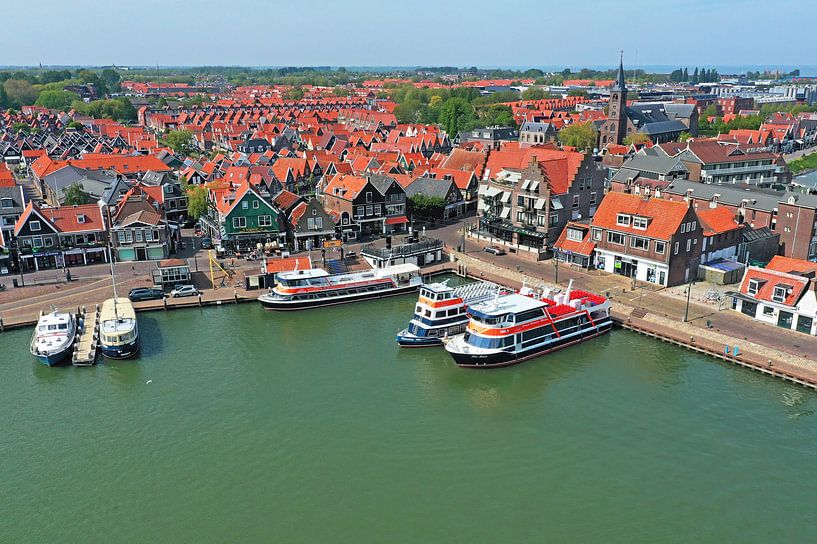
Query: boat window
(63,326)
(529,315)
(427,313)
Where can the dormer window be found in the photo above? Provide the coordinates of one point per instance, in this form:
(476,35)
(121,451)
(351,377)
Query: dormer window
(81,218)
(34,226)
(623,220)
(753,287)
(780,293)
(640,223)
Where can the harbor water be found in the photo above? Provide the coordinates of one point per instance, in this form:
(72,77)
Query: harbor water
(237,425)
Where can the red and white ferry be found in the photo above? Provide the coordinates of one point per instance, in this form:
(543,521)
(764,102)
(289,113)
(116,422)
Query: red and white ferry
(301,289)
(516,327)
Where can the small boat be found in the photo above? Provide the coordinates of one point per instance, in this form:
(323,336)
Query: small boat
(441,312)
(54,337)
(118,329)
(313,288)
(520,326)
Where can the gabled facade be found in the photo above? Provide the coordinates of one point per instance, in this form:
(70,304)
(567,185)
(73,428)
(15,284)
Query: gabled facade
(309,225)
(240,218)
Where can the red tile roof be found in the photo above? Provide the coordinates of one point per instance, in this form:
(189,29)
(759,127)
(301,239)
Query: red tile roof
(767,279)
(665,216)
(273,266)
(789,265)
(717,220)
(585,247)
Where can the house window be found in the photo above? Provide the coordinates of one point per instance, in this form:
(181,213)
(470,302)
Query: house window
(753,287)
(639,243)
(694,225)
(128,237)
(683,228)
(575,201)
(138,235)
(310,223)
(377,209)
(640,223)
(239,222)
(34,226)
(368,196)
(659,247)
(593,197)
(369,209)
(255,204)
(596,235)
(768,311)
(615,238)
(675,249)
(245,205)
(49,242)
(7,203)
(623,220)
(80,218)
(554,219)
(361,210)
(779,294)
(689,244)
(264,220)
(318,223)
(575,234)
(121,236)
(38,241)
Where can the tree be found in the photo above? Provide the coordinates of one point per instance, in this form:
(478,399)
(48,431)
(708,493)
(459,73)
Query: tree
(295,94)
(111,79)
(455,114)
(74,195)
(340,91)
(181,141)
(582,136)
(56,100)
(577,92)
(196,201)
(19,93)
(426,207)
(534,93)
(636,138)
(710,111)
(684,137)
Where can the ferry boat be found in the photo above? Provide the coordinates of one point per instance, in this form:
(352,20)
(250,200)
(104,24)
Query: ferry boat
(54,337)
(520,326)
(301,289)
(441,312)
(118,329)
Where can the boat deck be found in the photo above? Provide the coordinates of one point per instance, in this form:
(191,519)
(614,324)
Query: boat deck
(86,343)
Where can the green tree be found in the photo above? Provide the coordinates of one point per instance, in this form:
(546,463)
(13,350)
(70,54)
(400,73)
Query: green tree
(684,137)
(74,195)
(582,136)
(425,207)
(710,111)
(19,93)
(534,93)
(455,115)
(111,79)
(295,94)
(181,141)
(196,201)
(56,100)
(577,92)
(340,91)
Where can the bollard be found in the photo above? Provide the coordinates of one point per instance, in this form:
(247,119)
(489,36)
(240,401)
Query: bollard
(1,324)
(164,302)
(199,299)
(235,295)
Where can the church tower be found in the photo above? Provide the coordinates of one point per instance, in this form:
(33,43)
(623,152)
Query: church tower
(615,129)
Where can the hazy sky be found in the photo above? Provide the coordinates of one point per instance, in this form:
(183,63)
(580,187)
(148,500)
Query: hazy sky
(417,32)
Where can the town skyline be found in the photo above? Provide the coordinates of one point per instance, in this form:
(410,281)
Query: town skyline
(547,31)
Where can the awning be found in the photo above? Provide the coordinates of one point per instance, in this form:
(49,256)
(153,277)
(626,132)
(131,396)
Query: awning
(481,205)
(492,191)
(525,184)
(506,213)
(506,197)
(540,204)
(398,220)
(534,186)
(556,204)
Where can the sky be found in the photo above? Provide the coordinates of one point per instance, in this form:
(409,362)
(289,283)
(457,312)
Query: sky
(496,33)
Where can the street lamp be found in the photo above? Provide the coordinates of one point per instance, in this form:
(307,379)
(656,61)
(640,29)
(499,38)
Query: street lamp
(692,263)
(556,265)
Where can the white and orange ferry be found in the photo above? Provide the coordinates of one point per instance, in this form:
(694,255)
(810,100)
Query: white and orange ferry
(301,289)
(520,326)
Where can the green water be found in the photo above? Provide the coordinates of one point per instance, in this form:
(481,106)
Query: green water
(314,427)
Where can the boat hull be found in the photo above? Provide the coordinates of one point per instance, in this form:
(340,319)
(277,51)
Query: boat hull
(504,358)
(406,340)
(281,305)
(55,359)
(124,351)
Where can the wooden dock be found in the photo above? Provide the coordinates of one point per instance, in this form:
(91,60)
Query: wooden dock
(88,340)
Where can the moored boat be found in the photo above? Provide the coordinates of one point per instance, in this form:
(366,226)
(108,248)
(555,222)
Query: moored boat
(302,289)
(54,337)
(520,326)
(441,312)
(118,329)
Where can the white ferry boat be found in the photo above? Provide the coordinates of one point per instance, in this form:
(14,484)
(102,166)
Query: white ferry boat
(54,337)
(301,289)
(441,312)
(520,326)
(118,329)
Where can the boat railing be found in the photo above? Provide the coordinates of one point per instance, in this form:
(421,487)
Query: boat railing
(472,293)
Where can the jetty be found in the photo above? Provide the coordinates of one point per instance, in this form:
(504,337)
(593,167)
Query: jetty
(87,341)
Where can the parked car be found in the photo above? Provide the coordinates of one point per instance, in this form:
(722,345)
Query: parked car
(184,291)
(494,250)
(146,293)
(207,243)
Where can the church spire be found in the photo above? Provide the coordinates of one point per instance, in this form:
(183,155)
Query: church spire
(620,84)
